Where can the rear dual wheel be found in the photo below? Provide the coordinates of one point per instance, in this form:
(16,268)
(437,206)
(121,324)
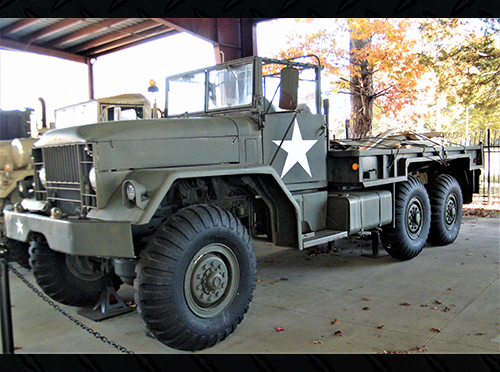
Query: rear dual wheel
(446,208)
(412,221)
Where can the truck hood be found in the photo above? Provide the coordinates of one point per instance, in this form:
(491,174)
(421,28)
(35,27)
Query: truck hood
(155,143)
(140,130)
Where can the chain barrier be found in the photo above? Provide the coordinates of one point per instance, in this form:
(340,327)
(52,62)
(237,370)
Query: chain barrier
(67,315)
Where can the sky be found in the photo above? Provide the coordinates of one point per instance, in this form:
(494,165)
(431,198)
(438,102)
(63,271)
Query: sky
(24,77)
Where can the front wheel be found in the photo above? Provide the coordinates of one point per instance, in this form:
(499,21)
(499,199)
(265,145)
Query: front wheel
(69,279)
(18,252)
(412,221)
(196,278)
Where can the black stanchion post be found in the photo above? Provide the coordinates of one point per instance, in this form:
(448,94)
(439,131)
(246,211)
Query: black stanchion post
(6,318)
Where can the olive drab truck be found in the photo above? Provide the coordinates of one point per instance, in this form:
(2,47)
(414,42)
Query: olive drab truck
(16,170)
(172,205)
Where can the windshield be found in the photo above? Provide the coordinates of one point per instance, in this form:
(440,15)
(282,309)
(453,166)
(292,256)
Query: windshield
(214,89)
(230,86)
(238,86)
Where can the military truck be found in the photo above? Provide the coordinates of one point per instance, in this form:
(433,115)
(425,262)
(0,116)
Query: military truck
(129,106)
(173,205)
(16,170)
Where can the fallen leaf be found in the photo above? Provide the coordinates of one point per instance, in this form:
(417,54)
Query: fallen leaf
(469,254)
(393,352)
(339,333)
(258,280)
(17,347)
(367,308)
(316,342)
(435,330)
(405,304)
(446,309)
(434,308)
(365,299)
(480,334)
(421,349)
(279,329)
(424,305)
(437,302)
(336,321)
(380,326)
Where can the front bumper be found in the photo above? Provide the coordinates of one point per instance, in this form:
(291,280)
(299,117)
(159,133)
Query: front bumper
(78,237)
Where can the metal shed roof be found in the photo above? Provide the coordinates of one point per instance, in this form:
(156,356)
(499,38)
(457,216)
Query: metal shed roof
(81,39)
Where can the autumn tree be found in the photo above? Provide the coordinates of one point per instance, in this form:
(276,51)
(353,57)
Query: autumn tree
(465,55)
(379,66)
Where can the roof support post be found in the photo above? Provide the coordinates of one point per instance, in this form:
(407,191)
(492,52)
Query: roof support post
(90,66)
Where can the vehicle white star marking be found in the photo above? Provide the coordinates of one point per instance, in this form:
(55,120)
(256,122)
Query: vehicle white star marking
(19,225)
(296,149)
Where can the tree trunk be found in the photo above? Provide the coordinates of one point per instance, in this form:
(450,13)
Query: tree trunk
(361,91)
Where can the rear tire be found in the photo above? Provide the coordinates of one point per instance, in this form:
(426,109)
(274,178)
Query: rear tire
(446,206)
(196,278)
(412,221)
(68,279)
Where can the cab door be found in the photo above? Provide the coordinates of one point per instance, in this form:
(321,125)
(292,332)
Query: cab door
(295,144)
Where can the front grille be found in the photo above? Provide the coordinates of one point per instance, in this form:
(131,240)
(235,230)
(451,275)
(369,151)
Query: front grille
(62,163)
(66,170)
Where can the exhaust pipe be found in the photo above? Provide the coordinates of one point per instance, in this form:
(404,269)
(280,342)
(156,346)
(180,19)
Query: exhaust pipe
(44,115)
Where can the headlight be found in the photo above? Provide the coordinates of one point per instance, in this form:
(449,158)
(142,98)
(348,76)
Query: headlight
(130,191)
(92,178)
(134,194)
(42,177)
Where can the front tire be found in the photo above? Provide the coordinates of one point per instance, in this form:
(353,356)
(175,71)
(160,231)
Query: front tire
(412,221)
(196,278)
(18,252)
(446,205)
(68,279)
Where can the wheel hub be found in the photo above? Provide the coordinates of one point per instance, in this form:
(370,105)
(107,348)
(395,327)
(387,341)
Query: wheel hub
(451,212)
(414,218)
(211,280)
(83,267)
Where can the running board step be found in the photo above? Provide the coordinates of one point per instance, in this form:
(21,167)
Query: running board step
(322,237)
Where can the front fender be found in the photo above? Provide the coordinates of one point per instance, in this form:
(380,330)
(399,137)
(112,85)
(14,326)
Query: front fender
(157,182)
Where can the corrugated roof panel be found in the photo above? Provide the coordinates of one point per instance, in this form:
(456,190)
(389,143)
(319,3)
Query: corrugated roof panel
(70,29)
(94,35)
(34,27)
(7,21)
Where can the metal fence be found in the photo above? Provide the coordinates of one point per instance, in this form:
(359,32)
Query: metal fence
(490,175)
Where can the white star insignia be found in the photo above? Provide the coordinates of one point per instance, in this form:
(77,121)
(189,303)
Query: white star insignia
(296,149)
(19,225)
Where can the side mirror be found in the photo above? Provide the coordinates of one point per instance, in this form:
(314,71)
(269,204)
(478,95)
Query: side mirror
(289,83)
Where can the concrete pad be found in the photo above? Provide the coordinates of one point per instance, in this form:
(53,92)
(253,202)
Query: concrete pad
(446,300)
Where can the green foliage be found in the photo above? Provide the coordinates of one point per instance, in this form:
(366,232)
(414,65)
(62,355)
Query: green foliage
(465,55)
